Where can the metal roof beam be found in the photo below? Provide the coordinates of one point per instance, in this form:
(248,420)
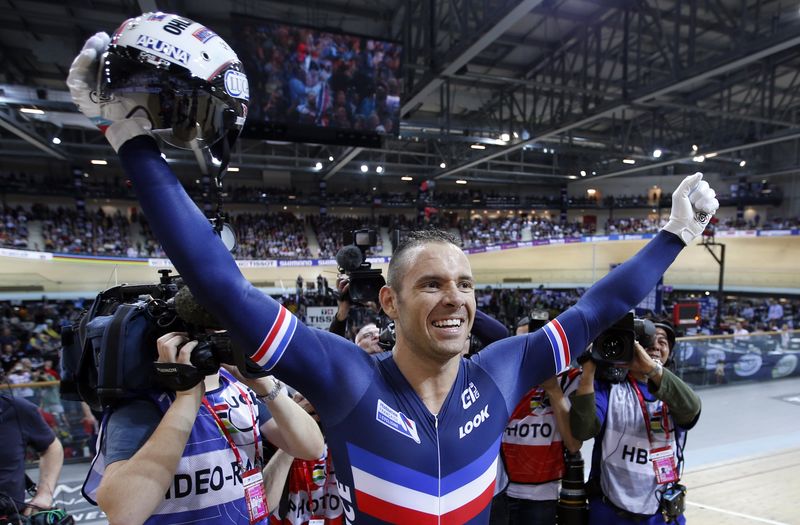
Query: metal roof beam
(464,54)
(699,73)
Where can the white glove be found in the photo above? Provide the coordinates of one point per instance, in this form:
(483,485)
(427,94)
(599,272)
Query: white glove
(113,117)
(693,204)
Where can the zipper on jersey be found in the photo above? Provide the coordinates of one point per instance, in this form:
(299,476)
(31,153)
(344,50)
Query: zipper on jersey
(439,472)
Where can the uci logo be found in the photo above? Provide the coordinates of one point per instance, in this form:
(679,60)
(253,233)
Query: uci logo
(469,396)
(236,85)
(701,217)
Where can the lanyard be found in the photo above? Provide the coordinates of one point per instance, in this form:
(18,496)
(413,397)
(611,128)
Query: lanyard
(646,414)
(227,434)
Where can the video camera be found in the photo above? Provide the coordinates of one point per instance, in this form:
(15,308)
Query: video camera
(108,354)
(365,283)
(615,345)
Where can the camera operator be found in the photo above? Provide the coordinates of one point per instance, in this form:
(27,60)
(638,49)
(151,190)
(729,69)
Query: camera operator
(21,425)
(198,457)
(639,423)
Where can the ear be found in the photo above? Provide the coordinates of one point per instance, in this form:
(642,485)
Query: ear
(388,299)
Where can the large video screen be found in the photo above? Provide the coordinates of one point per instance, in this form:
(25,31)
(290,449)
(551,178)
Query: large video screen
(305,79)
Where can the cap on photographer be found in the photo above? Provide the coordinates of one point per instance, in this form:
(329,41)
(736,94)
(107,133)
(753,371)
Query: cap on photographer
(639,420)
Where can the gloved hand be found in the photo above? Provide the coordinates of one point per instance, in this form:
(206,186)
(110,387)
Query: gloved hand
(693,205)
(115,118)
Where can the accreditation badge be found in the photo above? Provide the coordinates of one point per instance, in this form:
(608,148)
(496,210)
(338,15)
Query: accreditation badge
(254,495)
(664,465)
(316,521)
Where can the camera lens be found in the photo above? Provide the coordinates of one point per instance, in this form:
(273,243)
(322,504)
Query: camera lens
(612,348)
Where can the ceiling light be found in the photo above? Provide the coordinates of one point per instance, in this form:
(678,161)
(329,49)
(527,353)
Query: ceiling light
(164,156)
(97,162)
(742,163)
(591,192)
(583,173)
(442,165)
(406,178)
(628,161)
(657,153)
(594,173)
(694,147)
(516,135)
(330,158)
(31,111)
(379,169)
(572,176)
(505,137)
(233,169)
(698,158)
(56,140)
(710,155)
(544,150)
(364,168)
(292,197)
(318,166)
(477,146)
(461,181)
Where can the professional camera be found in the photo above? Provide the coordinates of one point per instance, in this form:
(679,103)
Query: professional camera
(615,345)
(673,502)
(572,505)
(365,283)
(108,355)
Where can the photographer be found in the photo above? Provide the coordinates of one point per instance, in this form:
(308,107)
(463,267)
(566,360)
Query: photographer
(201,449)
(639,422)
(21,425)
(534,443)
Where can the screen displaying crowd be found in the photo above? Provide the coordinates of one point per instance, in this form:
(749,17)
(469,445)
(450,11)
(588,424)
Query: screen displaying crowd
(304,76)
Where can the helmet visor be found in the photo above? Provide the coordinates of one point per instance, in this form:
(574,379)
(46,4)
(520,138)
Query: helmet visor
(182,109)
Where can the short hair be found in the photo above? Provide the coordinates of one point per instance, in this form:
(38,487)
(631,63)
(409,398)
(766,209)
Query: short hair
(413,239)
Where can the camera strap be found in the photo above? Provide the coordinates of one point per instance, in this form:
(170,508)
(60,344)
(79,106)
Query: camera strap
(663,457)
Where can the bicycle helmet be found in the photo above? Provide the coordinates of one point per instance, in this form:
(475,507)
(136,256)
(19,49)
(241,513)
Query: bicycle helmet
(182,76)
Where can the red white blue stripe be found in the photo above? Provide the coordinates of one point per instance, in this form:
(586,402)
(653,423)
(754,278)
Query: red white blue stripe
(276,340)
(397,494)
(560,344)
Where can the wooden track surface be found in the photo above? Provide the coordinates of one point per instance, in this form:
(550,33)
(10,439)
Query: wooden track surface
(756,262)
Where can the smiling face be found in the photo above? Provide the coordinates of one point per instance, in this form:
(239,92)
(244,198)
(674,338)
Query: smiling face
(432,301)
(659,350)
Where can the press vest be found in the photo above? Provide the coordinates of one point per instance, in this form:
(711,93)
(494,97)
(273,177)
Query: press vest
(532,447)
(626,475)
(207,485)
(312,493)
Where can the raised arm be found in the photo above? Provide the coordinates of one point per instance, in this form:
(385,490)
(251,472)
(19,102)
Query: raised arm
(261,327)
(518,363)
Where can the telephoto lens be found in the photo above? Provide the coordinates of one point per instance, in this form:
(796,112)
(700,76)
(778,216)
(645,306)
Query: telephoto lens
(572,506)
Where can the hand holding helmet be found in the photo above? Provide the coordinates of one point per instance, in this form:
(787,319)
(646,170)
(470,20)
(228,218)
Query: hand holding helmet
(165,74)
(693,205)
(82,83)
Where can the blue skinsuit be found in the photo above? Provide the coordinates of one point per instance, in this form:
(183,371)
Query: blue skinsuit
(395,461)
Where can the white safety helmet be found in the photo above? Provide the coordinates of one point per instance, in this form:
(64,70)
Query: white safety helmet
(182,76)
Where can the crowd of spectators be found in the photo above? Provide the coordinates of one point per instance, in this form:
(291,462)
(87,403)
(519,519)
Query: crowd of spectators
(270,236)
(14,227)
(631,225)
(284,235)
(69,231)
(483,231)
